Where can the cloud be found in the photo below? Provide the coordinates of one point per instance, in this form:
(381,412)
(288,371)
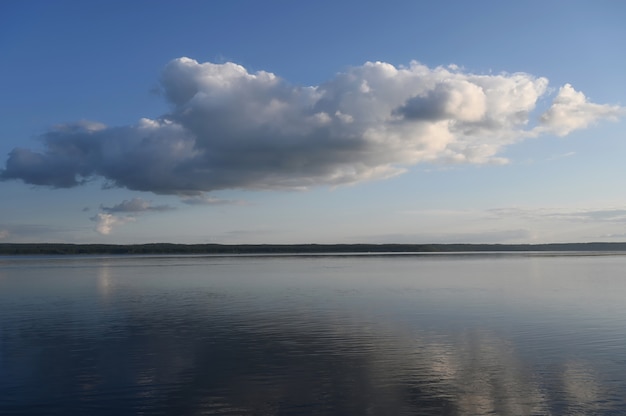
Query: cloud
(484,237)
(621,236)
(603,215)
(17,233)
(462,100)
(571,111)
(561,156)
(135,205)
(208,200)
(107,219)
(609,215)
(229,128)
(105,222)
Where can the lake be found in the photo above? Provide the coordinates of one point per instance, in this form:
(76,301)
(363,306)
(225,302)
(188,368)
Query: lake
(444,334)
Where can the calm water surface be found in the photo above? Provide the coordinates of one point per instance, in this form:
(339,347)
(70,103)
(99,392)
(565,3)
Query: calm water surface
(462,334)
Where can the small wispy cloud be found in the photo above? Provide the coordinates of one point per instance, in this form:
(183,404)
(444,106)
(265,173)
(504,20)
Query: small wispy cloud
(135,205)
(616,215)
(209,200)
(34,232)
(561,156)
(110,218)
(619,236)
(130,210)
(105,222)
(486,237)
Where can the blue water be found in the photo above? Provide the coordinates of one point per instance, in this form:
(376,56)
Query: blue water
(459,334)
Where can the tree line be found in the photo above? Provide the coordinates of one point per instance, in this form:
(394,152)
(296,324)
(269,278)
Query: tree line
(169,248)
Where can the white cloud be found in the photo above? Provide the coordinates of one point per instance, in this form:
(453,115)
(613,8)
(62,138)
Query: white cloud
(571,111)
(105,222)
(229,128)
(4,234)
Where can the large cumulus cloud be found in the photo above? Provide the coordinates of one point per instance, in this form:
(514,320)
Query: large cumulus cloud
(229,128)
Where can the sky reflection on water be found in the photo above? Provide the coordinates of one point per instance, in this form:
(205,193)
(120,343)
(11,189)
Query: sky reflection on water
(336,335)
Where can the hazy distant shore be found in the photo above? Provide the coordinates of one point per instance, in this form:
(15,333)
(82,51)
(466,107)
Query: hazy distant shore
(166,248)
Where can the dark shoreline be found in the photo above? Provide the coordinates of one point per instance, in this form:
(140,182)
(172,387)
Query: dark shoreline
(167,248)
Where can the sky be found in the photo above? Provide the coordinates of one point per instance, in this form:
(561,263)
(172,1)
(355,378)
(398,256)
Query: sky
(312,122)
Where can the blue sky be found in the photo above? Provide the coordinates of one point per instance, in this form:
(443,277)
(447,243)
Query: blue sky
(323,122)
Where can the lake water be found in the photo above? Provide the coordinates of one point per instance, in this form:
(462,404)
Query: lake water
(458,334)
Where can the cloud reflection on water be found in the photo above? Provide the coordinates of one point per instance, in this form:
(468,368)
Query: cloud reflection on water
(220,347)
(176,358)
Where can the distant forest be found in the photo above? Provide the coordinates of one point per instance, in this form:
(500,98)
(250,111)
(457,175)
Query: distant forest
(166,248)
